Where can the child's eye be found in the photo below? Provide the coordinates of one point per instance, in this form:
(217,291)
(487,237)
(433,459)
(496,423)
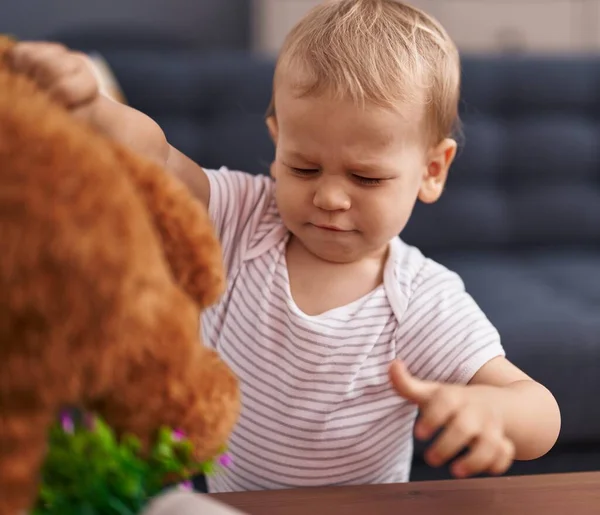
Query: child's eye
(304,171)
(367,180)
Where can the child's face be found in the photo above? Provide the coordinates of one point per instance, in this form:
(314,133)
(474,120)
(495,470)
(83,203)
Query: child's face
(347,178)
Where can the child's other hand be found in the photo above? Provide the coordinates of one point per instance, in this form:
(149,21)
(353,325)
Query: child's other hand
(467,421)
(64,74)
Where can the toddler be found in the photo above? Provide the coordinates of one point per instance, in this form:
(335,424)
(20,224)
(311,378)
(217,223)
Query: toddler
(338,330)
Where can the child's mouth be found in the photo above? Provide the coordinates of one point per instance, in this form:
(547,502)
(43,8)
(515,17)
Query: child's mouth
(332,228)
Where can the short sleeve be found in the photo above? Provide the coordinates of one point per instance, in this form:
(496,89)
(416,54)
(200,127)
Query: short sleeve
(444,335)
(238,202)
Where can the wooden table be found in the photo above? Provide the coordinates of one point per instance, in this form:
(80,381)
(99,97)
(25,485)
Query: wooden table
(568,494)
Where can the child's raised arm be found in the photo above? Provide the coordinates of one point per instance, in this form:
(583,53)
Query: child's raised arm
(68,76)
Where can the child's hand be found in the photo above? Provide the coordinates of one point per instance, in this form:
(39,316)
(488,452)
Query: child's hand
(68,76)
(468,421)
(64,74)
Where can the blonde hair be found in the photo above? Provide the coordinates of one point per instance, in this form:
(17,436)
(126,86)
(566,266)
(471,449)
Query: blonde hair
(383,52)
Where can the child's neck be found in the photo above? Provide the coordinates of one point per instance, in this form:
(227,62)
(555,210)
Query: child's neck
(318,286)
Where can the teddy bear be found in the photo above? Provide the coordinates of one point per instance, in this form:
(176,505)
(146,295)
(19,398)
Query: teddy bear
(107,263)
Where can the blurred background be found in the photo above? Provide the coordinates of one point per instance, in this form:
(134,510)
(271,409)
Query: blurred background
(520,220)
(549,26)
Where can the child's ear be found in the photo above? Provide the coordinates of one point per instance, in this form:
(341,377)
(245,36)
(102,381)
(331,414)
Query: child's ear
(438,164)
(273,129)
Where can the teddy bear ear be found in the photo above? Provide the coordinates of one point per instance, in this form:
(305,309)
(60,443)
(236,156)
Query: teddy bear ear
(189,242)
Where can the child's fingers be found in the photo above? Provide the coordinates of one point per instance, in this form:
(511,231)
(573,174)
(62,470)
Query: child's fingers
(505,460)
(55,68)
(75,89)
(410,387)
(64,74)
(437,413)
(26,57)
(488,453)
(459,433)
(43,62)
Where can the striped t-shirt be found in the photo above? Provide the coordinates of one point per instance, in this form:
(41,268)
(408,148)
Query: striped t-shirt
(318,406)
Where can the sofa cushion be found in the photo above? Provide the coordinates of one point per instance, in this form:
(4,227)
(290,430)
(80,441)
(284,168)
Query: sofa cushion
(546,305)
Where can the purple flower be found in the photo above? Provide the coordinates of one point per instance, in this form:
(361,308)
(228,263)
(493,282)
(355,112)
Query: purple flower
(186,486)
(225,460)
(66,421)
(178,435)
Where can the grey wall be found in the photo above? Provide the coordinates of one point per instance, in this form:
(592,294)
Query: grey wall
(202,23)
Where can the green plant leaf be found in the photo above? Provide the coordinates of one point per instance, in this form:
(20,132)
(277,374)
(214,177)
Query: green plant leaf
(89,471)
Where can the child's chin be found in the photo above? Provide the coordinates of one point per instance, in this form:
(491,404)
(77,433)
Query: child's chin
(335,253)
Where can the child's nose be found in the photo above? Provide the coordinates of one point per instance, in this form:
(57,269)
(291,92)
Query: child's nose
(331,197)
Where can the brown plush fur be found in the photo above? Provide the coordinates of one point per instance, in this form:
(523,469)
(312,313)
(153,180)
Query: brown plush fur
(105,264)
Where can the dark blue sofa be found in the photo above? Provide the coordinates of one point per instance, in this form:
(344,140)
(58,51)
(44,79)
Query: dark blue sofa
(520,220)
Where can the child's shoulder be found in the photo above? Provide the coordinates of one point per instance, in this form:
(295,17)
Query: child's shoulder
(243,195)
(416,273)
(244,213)
(238,179)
